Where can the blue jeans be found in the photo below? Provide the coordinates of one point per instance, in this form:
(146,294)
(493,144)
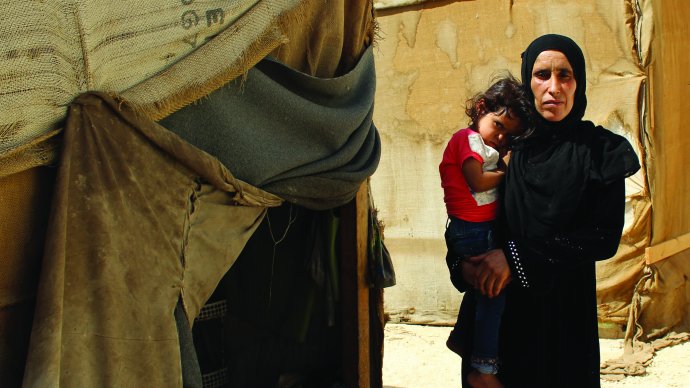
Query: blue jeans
(465,239)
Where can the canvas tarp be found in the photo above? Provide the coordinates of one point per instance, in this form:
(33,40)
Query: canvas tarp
(659,308)
(433,56)
(159,56)
(120,251)
(53,51)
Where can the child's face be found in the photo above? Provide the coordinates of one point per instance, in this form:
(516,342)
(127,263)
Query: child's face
(497,129)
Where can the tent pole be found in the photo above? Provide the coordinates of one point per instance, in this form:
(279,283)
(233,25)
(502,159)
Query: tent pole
(355,292)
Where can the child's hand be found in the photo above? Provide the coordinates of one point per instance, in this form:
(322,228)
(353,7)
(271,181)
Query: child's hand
(506,157)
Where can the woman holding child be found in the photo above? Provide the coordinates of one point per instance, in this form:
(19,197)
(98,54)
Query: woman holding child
(563,203)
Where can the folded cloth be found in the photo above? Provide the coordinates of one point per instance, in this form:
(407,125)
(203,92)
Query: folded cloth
(308,140)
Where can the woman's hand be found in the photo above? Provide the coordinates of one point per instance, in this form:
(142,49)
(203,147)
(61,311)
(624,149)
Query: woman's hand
(491,272)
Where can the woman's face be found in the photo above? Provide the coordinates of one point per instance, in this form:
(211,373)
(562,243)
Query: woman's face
(553,85)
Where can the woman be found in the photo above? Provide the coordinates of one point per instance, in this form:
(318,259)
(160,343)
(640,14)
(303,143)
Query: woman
(564,203)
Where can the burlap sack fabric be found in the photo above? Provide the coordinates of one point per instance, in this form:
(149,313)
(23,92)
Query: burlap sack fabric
(155,51)
(158,57)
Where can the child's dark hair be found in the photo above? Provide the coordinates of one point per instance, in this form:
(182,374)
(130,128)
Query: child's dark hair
(505,95)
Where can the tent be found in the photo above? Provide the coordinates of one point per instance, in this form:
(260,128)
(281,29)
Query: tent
(433,55)
(136,255)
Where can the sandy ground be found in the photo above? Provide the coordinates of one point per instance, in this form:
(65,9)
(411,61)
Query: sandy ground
(416,356)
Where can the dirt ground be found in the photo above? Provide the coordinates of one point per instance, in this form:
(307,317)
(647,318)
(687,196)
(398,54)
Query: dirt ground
(416,356)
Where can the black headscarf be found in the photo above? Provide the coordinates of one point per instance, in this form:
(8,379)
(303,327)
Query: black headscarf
(549,171)
(577,60)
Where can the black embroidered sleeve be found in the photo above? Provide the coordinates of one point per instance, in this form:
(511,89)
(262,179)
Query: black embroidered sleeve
(595,236)
(516,266)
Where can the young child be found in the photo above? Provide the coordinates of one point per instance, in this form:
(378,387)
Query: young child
(473,165)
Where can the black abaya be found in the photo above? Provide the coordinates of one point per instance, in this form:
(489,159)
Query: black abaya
(549,335)
(563,209)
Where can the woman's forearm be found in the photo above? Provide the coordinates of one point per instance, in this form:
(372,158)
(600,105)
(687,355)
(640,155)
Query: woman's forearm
(536,261)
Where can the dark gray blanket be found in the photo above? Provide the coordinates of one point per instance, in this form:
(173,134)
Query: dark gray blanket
(310,141)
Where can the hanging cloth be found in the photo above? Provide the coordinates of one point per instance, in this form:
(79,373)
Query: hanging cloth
(139,219)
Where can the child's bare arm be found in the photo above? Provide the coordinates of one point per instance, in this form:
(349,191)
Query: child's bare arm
(480,180)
